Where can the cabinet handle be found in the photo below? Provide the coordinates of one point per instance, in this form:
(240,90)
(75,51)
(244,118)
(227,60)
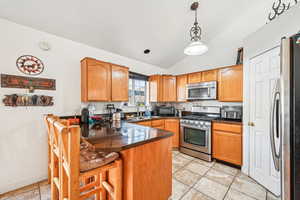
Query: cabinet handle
(251,124)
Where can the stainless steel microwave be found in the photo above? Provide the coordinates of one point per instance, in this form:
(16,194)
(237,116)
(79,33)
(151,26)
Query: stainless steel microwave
(202,91)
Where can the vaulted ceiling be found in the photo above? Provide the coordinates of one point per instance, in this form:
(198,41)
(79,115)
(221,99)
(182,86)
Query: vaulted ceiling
(128,27)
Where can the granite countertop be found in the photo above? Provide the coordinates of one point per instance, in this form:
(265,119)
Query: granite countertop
(228,121)
(151,118)
(118,136)
(172,117)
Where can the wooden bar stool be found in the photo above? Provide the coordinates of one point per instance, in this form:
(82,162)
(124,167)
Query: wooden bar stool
(78,172)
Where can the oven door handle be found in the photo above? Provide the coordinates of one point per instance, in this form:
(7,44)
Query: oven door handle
(197,128)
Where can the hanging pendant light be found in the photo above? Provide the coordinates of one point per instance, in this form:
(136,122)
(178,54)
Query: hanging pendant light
(196,47)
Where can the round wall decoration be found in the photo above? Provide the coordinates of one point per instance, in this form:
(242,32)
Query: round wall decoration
(30,65)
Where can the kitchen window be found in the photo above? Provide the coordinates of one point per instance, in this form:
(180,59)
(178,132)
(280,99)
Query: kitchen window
(138,90)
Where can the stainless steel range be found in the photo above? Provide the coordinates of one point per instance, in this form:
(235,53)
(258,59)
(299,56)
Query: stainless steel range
(195,133)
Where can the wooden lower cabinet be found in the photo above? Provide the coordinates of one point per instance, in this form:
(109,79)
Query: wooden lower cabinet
(173,126)
(145,123)
(158,123)
(147,171)
(227,143)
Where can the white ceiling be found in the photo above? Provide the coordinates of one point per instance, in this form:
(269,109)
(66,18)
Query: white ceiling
(128,27)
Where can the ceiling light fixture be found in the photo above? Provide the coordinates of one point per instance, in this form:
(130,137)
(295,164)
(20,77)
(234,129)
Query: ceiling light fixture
(147,51)
(196,47)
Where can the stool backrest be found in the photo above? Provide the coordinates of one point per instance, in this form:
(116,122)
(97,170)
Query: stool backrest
(67,140)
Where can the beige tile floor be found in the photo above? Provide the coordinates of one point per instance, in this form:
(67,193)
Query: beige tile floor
(193,179)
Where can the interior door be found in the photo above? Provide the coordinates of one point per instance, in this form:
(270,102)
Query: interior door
(264,73)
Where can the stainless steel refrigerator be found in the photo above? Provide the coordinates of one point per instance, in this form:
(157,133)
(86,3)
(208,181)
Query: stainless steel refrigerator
(285,119)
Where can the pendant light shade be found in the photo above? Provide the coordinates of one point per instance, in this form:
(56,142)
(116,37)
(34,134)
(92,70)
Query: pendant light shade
(195,49)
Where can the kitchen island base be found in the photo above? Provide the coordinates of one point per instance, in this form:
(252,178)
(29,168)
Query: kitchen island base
(147,171)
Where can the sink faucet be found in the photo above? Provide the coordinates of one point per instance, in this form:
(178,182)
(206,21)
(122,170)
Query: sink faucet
(139,112)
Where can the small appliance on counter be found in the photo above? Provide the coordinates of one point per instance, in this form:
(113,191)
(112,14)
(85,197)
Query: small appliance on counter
(165,111)
(110,109)
(85,115)
(117,116)
(232,113)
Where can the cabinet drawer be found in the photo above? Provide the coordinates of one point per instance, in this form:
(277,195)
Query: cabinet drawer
(233,128)
(156,123)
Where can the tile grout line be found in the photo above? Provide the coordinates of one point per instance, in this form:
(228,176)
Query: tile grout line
(203,176)
(192,187)
(40,192)
(230,186)
(244,192)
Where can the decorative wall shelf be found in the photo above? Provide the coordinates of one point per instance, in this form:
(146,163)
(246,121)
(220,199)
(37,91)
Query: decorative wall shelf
(12,81)
(27,100)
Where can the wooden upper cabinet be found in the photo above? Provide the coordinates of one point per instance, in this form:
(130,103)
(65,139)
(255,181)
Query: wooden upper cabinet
(195,77)
(231,84)
(155,83)
(211,75)
(95,80)
(169,88)
(119,83)
(172,125)
(181,82)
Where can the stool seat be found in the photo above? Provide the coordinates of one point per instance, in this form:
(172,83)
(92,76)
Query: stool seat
(90,159)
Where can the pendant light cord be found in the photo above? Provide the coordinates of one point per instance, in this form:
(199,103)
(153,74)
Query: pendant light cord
(196,16)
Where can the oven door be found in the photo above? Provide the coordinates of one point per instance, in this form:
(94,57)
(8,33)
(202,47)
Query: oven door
(195,139)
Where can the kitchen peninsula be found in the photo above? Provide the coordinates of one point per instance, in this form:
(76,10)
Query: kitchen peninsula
(146,153)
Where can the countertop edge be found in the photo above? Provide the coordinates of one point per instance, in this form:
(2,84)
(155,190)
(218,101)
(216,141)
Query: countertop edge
(227,122)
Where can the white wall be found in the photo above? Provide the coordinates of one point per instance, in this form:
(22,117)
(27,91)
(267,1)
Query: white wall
(262,40)
(23,141)
(223,48)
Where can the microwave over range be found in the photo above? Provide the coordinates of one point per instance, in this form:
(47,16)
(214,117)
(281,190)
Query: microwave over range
(202,91)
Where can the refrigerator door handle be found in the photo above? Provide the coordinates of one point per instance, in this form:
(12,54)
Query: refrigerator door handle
(275,124)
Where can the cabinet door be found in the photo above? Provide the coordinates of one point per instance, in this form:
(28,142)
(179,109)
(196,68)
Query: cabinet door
(227,146)
(119,83)
(155,82)
(181,82)
(95,80)
(195,77)
(169,88)
(145,123)
(158,123)
(211,75)
(231,84)
(172,125)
